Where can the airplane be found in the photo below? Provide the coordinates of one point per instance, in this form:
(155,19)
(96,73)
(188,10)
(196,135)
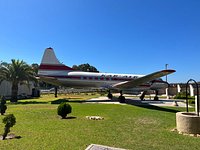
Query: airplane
(53,72)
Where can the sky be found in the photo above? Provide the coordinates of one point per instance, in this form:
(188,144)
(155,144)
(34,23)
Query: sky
(115,36)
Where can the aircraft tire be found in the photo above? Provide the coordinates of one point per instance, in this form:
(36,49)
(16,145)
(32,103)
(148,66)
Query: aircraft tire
(110,96)
(156,98)
(122,99)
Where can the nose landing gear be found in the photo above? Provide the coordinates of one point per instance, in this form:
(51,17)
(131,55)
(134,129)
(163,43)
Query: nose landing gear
(110,96)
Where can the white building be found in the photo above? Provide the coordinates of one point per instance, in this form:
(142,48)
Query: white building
(5,89)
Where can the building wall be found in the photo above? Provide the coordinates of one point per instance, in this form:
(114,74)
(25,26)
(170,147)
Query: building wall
(173,89)
(5,89)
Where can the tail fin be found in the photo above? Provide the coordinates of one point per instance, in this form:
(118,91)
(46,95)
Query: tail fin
(50,62)
(49,57)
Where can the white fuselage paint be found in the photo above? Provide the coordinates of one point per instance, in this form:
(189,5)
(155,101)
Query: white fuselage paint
(78,79)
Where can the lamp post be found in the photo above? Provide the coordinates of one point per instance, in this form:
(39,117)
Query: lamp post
(166,65)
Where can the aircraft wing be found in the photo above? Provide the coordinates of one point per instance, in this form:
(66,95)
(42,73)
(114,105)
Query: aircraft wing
(142,80)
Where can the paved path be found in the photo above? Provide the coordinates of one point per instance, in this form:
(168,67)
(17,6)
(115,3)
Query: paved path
(134,101)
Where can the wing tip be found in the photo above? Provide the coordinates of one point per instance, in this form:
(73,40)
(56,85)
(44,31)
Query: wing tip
(169,70)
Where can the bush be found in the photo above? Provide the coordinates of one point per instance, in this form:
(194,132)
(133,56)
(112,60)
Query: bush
(64,109)
(9,122)
(3,106)
(182,95)
(191,101)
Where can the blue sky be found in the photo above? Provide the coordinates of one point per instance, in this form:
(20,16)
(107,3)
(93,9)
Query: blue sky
(119,36)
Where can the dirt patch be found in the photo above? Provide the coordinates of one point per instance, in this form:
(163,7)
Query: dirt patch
(146,121)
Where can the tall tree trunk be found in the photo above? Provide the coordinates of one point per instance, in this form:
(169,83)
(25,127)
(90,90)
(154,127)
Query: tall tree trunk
(14,92)
(6,131)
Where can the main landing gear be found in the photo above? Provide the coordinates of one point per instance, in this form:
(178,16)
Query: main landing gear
(121,98)
(156,96)
(110,96)
(144,93)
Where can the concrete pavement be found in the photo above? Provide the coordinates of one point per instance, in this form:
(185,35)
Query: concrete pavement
(161,102)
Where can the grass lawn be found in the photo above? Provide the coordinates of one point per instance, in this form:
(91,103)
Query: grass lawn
(124,126)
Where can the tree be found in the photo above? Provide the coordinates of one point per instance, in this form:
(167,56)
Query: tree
(85,67)
(17,72)
(9,122)
(35,67)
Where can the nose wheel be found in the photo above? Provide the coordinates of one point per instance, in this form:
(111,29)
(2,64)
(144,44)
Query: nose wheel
(110,96)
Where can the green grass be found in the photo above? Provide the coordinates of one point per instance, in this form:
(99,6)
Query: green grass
(125,126)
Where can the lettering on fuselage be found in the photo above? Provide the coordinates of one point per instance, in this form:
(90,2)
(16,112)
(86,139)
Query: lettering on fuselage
(109,77)
(119,76)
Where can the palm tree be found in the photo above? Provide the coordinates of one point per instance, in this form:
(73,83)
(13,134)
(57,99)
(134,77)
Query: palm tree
(17,72)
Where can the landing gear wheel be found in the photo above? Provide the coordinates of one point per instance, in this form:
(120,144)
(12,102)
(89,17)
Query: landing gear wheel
(122,99)
(156,98)
(110,96)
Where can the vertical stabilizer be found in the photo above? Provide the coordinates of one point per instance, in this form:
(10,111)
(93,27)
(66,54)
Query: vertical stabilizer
(49,57)
(51,63)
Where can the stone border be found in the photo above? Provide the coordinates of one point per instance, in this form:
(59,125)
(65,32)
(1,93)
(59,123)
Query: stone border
(101,147)
(10,136)
(182,133)
(94,117)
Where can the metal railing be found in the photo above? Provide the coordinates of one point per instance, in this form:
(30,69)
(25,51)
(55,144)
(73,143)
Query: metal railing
(197,95)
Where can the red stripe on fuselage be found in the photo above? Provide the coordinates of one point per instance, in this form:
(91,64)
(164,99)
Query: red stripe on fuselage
(54,67)
(90,78)
(95,79)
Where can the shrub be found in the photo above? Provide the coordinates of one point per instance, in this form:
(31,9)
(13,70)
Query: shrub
(3,106)
(64,109)
(9,122)
(182,95)
(191,101)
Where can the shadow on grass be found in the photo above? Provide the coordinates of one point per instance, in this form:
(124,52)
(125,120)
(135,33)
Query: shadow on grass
(139,103)
(95,101)
(29,102)
(70,117)
(58,101)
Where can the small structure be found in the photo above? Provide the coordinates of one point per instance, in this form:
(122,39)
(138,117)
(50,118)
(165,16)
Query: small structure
(94,117)
(188,122)
(5,88)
